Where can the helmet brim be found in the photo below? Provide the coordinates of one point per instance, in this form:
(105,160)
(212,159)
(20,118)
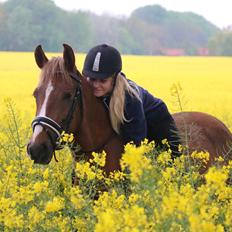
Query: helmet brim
(96,75)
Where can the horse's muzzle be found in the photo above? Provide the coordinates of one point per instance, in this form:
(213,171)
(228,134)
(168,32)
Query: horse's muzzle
(41,153)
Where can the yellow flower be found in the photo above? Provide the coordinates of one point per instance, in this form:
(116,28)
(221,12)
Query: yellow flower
(135,217)
(135,159)
(55,205)
(219,159)
(106,221)
(80,224)
(216,176)
(99,158)
(165,142)
(40,186)
(46,174)
(133,198)
(169,173)
(35,216)
(14,220)
(228,215)
(24,194)
(202,156)
(75,197)
(66,138)
(84,170)
(109,200)
(197,224)
(164,158)
(117,176)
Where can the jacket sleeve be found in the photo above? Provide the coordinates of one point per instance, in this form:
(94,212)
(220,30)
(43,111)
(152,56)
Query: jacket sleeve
(135,128)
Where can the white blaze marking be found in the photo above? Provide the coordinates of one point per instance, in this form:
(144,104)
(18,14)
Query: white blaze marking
(38,128)
(44,105)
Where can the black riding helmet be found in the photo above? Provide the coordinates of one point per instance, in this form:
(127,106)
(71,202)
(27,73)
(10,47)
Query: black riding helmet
(102,61)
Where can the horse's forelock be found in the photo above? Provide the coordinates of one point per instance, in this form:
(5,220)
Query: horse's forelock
(54,70)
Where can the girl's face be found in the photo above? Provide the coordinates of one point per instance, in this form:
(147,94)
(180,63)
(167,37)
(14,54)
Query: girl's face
(101,87)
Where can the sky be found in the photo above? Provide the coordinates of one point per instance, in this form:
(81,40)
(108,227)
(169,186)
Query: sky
(218,12)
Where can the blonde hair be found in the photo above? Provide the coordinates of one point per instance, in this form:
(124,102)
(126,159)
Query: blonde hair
(117,102)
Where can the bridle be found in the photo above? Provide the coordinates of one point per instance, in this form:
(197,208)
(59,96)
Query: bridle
(49,124)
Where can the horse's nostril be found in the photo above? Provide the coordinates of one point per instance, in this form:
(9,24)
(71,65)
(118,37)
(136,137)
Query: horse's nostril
(40,153)
(28,149)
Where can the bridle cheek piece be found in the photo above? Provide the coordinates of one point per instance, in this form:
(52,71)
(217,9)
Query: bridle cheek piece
(49,124)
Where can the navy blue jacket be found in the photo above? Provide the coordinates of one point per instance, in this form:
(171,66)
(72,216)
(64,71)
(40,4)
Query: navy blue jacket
(148,118)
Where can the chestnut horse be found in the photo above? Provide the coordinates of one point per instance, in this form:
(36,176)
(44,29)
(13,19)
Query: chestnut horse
(65,102)
(203,132)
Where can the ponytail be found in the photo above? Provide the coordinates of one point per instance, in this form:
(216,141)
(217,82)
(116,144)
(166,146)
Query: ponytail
(117,102)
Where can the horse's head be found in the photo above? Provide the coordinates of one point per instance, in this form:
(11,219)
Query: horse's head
(58,99)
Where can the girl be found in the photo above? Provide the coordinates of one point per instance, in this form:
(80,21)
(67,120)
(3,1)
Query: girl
(135,114)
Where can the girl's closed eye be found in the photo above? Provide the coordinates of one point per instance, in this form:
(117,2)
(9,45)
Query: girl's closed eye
(96,80)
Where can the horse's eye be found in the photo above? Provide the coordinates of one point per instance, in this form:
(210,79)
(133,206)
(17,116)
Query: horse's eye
(67,96)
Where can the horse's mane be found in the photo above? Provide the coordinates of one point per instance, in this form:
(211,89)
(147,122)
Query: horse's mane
(53,70)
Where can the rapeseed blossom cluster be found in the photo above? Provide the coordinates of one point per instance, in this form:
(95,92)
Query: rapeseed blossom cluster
(135,160)
(152,192)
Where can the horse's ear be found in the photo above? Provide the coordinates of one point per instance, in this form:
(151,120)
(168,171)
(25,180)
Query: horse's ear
(69,58)
(40,57)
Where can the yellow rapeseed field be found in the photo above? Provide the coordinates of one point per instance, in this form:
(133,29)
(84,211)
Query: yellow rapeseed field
(206,81)
(150,193)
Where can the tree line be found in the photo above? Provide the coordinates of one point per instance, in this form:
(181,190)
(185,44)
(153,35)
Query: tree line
(149,30)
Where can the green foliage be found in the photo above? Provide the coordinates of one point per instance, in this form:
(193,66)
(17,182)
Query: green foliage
(29,23)
(151,14)
(169,29)
(221,43)
(178,97)
(15,133)
(26,23)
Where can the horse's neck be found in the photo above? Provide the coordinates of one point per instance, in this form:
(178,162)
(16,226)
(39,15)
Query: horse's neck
(95,126)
